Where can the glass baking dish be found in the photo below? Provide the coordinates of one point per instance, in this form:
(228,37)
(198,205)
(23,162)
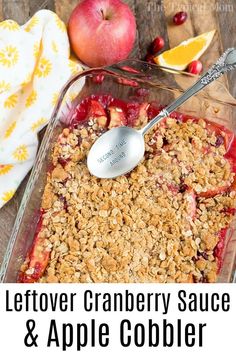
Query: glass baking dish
(123,81)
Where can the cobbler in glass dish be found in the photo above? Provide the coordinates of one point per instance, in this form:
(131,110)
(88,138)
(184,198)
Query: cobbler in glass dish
(166,221)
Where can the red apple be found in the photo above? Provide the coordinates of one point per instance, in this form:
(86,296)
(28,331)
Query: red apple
(102,32)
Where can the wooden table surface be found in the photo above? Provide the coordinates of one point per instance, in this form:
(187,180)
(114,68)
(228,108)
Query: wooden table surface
(153,18)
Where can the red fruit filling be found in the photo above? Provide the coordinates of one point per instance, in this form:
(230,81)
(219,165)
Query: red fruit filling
(37,258)
(107,112)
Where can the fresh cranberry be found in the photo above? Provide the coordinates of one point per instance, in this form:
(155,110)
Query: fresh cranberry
(195,67)
(98,79)
(150,58)
(157,45)
(180,17)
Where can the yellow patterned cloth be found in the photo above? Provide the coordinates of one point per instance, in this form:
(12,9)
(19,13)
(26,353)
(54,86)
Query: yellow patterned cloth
(34,65)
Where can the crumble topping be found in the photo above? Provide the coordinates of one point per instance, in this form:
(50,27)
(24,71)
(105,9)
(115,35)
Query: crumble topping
(159,223)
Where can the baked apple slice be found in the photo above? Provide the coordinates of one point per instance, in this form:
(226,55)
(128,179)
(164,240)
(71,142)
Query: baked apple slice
(97,112)
(190,197)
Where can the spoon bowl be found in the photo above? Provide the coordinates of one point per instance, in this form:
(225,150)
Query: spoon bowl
(116,152)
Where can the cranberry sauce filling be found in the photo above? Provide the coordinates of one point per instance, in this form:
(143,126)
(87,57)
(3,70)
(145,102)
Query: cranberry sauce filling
(23,277)
(95,106)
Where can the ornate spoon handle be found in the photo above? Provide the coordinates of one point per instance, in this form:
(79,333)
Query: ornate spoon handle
(224,64)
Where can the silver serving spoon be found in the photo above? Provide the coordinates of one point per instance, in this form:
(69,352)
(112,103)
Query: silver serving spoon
(120,149)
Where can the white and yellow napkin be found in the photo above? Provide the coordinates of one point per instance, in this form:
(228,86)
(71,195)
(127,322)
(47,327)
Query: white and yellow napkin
(34,65)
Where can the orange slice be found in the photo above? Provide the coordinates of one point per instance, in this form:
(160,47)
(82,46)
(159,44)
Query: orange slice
(179,57)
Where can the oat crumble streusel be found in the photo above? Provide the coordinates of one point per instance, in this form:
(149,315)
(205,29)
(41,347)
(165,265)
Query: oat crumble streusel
(159,223)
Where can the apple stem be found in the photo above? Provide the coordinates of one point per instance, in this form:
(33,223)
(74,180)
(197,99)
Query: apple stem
(106,16)
(103,15)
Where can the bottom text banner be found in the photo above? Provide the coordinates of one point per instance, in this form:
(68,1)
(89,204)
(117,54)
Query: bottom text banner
(117,318)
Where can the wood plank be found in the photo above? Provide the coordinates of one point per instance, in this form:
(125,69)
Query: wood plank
(1,16)
(151,23)
(7,217)
(20,11)
(195,25)
(200,25)
(16,9)
(36,5)
(227,27)
(64,8)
